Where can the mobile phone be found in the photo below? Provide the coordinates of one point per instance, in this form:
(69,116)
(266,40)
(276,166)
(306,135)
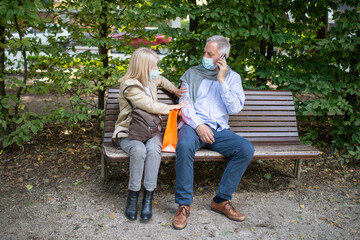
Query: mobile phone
(222,57)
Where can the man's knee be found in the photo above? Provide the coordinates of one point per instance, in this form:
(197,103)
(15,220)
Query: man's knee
(246,150)
(185,146)
(251,150)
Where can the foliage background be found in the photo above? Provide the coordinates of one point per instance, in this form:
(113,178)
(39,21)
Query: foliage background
(275,44)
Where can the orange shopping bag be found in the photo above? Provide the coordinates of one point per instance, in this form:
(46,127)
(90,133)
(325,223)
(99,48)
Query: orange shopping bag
(170,136)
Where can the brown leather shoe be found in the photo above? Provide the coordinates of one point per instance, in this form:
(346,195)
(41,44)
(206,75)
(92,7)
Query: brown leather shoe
(180,219)
(228,210)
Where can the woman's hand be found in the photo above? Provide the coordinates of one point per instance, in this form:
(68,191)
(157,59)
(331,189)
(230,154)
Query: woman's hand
(179,92)
(182,104)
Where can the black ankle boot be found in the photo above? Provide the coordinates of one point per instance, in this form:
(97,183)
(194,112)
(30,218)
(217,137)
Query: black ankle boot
(131,207)
(146,211)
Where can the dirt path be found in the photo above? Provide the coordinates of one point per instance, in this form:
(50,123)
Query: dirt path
(53,190)
(95,211)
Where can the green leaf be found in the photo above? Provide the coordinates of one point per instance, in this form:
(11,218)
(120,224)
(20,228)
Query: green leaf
(258,16)
(78,183)
(165,224)
(267,176)
(34,129)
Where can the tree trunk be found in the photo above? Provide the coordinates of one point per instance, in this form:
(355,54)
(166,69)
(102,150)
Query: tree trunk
(4,112)
(194,22)
(321,33)
(2,63)
(261,81)
(25,75)
(270,47)
(263,47)
(104,52)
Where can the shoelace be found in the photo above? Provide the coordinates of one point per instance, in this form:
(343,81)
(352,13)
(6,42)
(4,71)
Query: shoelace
(181,211)
(229,203)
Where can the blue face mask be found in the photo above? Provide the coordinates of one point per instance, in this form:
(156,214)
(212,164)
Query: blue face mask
(208,63)
(154,73)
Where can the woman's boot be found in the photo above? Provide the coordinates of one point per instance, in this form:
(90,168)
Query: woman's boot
(146,211)
(131,207)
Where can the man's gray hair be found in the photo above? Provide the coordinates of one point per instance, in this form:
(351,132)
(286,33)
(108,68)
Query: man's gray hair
(223,44)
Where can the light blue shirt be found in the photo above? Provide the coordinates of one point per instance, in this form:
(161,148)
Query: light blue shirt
(214,102)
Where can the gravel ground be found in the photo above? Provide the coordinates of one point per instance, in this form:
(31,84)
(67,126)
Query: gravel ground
(53,190)
(95,210)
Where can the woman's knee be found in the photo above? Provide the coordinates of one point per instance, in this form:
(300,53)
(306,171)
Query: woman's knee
(137,150)
(153,146)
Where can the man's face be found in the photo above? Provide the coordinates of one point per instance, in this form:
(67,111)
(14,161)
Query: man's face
(211,51)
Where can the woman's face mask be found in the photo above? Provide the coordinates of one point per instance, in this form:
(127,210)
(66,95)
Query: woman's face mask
(154,73)
(208,63)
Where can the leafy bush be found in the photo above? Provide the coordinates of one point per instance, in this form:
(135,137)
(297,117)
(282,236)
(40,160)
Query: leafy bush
(277,44)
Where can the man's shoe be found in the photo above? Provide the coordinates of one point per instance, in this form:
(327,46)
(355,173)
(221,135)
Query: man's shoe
(228,210)
(180,219)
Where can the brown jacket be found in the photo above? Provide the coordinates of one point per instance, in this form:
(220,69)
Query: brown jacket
(140,100)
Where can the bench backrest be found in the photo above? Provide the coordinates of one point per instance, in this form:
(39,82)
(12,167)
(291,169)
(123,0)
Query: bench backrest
(267,118)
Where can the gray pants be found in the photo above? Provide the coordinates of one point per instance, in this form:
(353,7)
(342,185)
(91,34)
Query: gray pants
(144,159)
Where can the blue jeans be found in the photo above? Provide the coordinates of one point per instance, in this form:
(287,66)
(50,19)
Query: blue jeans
(238,149)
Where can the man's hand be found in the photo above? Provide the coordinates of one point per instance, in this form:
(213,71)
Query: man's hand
(205,133)
(221,63)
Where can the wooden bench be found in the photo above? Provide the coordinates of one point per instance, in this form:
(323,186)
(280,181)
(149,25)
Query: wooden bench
(268,120)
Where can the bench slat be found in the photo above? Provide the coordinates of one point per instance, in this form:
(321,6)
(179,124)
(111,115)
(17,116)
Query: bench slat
(110,121)
(268,103)
(289,151)
(262,118)
(246,134)
(268,97)
(259,92)
(267,92)
(263,124)
(268,113)
(255,140)
(264,129)
(269,108)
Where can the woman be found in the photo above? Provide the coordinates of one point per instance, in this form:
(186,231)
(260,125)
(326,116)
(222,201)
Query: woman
(144,157)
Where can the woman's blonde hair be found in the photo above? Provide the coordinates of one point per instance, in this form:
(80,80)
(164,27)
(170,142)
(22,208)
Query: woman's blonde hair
(142,61)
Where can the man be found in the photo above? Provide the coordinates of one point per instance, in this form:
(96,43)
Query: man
(215,92)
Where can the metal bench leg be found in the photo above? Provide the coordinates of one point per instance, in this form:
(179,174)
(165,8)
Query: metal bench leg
(297,168)
(104,167)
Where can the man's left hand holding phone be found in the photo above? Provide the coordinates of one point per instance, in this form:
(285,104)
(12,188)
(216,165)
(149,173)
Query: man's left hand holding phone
(221,57)
(222,67)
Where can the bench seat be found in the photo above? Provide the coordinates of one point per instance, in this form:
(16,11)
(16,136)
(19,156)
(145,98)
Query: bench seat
(268,120)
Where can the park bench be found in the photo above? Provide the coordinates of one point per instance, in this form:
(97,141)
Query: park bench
(268,120)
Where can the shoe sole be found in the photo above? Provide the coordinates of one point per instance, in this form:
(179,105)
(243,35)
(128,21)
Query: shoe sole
(237,220)
(180,228)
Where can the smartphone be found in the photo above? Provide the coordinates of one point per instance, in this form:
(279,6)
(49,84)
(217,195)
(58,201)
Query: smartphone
(222,57)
